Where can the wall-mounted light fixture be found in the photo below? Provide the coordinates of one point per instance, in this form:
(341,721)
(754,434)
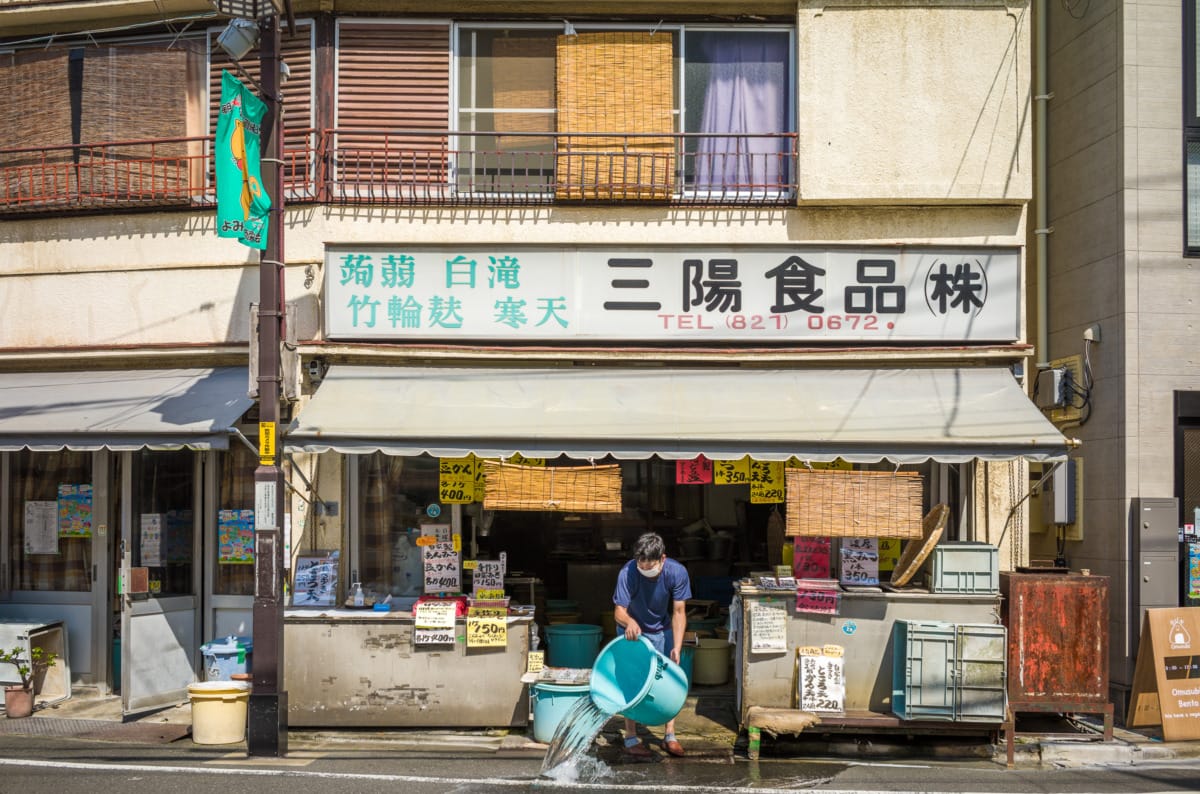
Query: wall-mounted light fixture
(238,38)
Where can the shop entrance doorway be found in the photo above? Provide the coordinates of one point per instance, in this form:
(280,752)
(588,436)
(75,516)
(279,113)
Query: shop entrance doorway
(160,512)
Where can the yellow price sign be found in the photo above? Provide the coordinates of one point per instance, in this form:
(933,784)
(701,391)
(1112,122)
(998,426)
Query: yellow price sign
(266,443)
(731,472)
(456,542)
(456,480)
(487,627)
(480,480)
(470,565)
(766,481)
(490,595)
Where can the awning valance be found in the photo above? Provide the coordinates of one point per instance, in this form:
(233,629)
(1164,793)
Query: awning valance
(121,409)
(860,415)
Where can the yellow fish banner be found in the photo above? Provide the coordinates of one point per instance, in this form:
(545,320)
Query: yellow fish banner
(243,206)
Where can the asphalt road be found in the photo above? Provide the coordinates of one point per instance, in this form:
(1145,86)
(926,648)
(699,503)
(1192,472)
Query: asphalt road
(45,765)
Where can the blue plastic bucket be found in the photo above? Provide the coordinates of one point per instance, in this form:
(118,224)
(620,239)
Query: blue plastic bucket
(638,682)
(223,658)
(687,658)
(551,702)
(572,644)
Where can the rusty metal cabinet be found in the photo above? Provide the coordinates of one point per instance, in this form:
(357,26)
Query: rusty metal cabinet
(1057,645)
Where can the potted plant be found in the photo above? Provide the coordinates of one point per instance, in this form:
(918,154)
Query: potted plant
(18,698)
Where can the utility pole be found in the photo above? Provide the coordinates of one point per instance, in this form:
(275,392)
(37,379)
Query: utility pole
(267,718)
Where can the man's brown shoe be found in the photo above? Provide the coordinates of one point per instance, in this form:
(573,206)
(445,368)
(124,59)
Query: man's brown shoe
(674,748)
(639,752)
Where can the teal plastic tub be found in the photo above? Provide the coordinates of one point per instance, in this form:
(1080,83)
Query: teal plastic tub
(551,702)
(572,644)
(632,679)
(687,660)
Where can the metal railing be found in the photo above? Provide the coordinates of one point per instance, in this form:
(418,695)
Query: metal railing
(495,168)
(415,168)
(162,172)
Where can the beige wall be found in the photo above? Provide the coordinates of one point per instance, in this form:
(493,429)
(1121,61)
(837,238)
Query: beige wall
(1115,258)
(915,102)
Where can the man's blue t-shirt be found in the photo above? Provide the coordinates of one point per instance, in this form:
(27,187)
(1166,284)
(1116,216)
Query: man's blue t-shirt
(649,600)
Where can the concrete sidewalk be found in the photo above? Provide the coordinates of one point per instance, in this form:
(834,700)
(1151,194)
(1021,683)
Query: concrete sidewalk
(706,728)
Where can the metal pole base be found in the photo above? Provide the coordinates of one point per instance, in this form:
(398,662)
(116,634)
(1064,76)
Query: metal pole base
(266,725)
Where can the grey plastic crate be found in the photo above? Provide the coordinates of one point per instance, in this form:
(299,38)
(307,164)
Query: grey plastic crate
(923,670)
(965,567)
(980,673)
(949,671)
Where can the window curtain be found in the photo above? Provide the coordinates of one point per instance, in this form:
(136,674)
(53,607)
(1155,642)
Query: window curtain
(746,96)
(36,477)
(235,492)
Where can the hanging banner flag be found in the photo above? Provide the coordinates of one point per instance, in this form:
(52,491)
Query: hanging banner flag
(242,203)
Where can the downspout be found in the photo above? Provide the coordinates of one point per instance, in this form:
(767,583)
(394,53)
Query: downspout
(1041,229)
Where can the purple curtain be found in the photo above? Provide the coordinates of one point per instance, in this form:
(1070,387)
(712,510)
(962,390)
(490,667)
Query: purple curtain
(746,95)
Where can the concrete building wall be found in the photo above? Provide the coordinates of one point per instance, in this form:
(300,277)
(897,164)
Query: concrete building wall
(928,103)
(1115,258)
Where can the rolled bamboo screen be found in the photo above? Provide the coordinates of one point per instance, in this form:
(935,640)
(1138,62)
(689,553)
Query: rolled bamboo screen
(615,82)
(573,489)
(865,504)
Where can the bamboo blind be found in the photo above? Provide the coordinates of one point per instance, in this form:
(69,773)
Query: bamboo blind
(615,82)
(574,489)
(865,504)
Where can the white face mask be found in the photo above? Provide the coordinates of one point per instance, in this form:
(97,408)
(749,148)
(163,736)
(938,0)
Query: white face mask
(652,572)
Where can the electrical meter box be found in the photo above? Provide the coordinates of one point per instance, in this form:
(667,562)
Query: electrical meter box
(1058,496)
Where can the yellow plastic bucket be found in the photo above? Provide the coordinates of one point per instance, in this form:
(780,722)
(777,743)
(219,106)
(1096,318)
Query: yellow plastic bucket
(712,662)
(219,711)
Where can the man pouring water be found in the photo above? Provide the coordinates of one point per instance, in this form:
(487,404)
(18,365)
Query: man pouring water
(650,602)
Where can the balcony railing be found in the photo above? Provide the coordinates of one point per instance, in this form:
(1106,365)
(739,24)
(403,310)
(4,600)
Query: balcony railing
(163,172)
(491,168)
(415,168)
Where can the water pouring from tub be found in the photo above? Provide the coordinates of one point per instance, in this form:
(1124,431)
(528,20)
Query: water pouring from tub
(629,678)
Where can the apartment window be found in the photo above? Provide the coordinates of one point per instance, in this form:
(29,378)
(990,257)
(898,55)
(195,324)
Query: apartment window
(1191,129)
(533,104)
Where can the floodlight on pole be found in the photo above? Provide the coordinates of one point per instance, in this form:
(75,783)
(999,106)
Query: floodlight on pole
(238,38)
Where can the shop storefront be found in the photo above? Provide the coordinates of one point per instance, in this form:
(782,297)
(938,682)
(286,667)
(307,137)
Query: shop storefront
(411,438)
(112,488)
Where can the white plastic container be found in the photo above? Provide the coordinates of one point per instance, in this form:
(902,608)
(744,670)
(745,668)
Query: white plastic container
(219,711)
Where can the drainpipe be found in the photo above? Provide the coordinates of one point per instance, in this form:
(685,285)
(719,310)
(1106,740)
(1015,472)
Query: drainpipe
(1041,230)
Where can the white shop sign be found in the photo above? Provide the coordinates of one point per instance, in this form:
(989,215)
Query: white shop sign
(751,294)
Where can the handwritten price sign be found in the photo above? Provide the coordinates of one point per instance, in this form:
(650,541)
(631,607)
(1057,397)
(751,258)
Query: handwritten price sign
(810,559)
(822,683)
(487,627)
(859,567)
(440,563)
(434,621)
(766,481)
(488,577)
(456,480)
(818,601)
(731,472)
